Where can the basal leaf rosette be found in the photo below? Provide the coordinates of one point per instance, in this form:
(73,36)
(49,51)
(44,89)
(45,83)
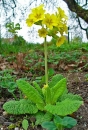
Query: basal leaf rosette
(54,25)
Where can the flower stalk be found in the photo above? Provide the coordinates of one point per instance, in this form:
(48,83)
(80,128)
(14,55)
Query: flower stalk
(46,66)
(51,25)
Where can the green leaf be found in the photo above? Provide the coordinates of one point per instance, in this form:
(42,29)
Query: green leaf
(49,125)
(39,22)
(38,88)
(48,99)
(55,79)
(30,91)
(40,106)
(58,121)
(42,117)
(64,108)
(58,90)
(70,96)
(66,122)
(50,72)
(69,122)
(25,124)
(20,107)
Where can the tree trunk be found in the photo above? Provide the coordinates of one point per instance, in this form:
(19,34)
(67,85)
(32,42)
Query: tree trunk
(74,7)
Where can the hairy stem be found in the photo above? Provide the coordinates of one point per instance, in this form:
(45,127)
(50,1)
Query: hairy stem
(61,128)
(46,67)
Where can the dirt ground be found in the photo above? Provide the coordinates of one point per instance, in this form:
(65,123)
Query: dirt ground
(77,84)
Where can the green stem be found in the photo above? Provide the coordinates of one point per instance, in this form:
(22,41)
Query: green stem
(14,96)
(61,128)
(46,68)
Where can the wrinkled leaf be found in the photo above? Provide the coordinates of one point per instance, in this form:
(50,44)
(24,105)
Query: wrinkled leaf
(64,108)
(22,106)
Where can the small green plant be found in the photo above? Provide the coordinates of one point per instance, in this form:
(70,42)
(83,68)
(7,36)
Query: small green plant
(41,79)
(7,81)
(86,77)
(25,124)
(51,98)
(12,28)
(59,123)
(77,39)
(19,40)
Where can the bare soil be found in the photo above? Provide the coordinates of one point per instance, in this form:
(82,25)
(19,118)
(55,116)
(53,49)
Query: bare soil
(78,85)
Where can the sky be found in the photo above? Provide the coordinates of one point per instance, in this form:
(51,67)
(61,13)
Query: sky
(25,31)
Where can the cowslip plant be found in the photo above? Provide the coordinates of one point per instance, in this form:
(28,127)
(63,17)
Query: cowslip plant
(53,98)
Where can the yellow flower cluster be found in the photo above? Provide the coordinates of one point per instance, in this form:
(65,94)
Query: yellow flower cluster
(52,24)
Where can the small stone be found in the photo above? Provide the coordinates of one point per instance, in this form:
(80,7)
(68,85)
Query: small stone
(7,123)
(2,129)
(2,119)
(5,113)
(16,128)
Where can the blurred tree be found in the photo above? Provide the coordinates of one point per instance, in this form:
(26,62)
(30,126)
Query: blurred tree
(8,5)
(80,8)
(77,39)
(73,5)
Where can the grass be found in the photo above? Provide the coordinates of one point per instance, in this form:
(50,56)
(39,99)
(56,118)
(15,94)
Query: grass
(34,60)
(6,48)
(69,47)
(67,52)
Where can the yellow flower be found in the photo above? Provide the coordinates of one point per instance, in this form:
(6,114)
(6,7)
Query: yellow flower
(50,20)
(53,32)
(45,86)
(62,14)
(60,25)
(42,32)
(38,13)
(63,29)
(30,21)
(60,22)
(60,41)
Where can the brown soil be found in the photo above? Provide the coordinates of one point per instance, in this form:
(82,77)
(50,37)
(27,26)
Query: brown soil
(76,84)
